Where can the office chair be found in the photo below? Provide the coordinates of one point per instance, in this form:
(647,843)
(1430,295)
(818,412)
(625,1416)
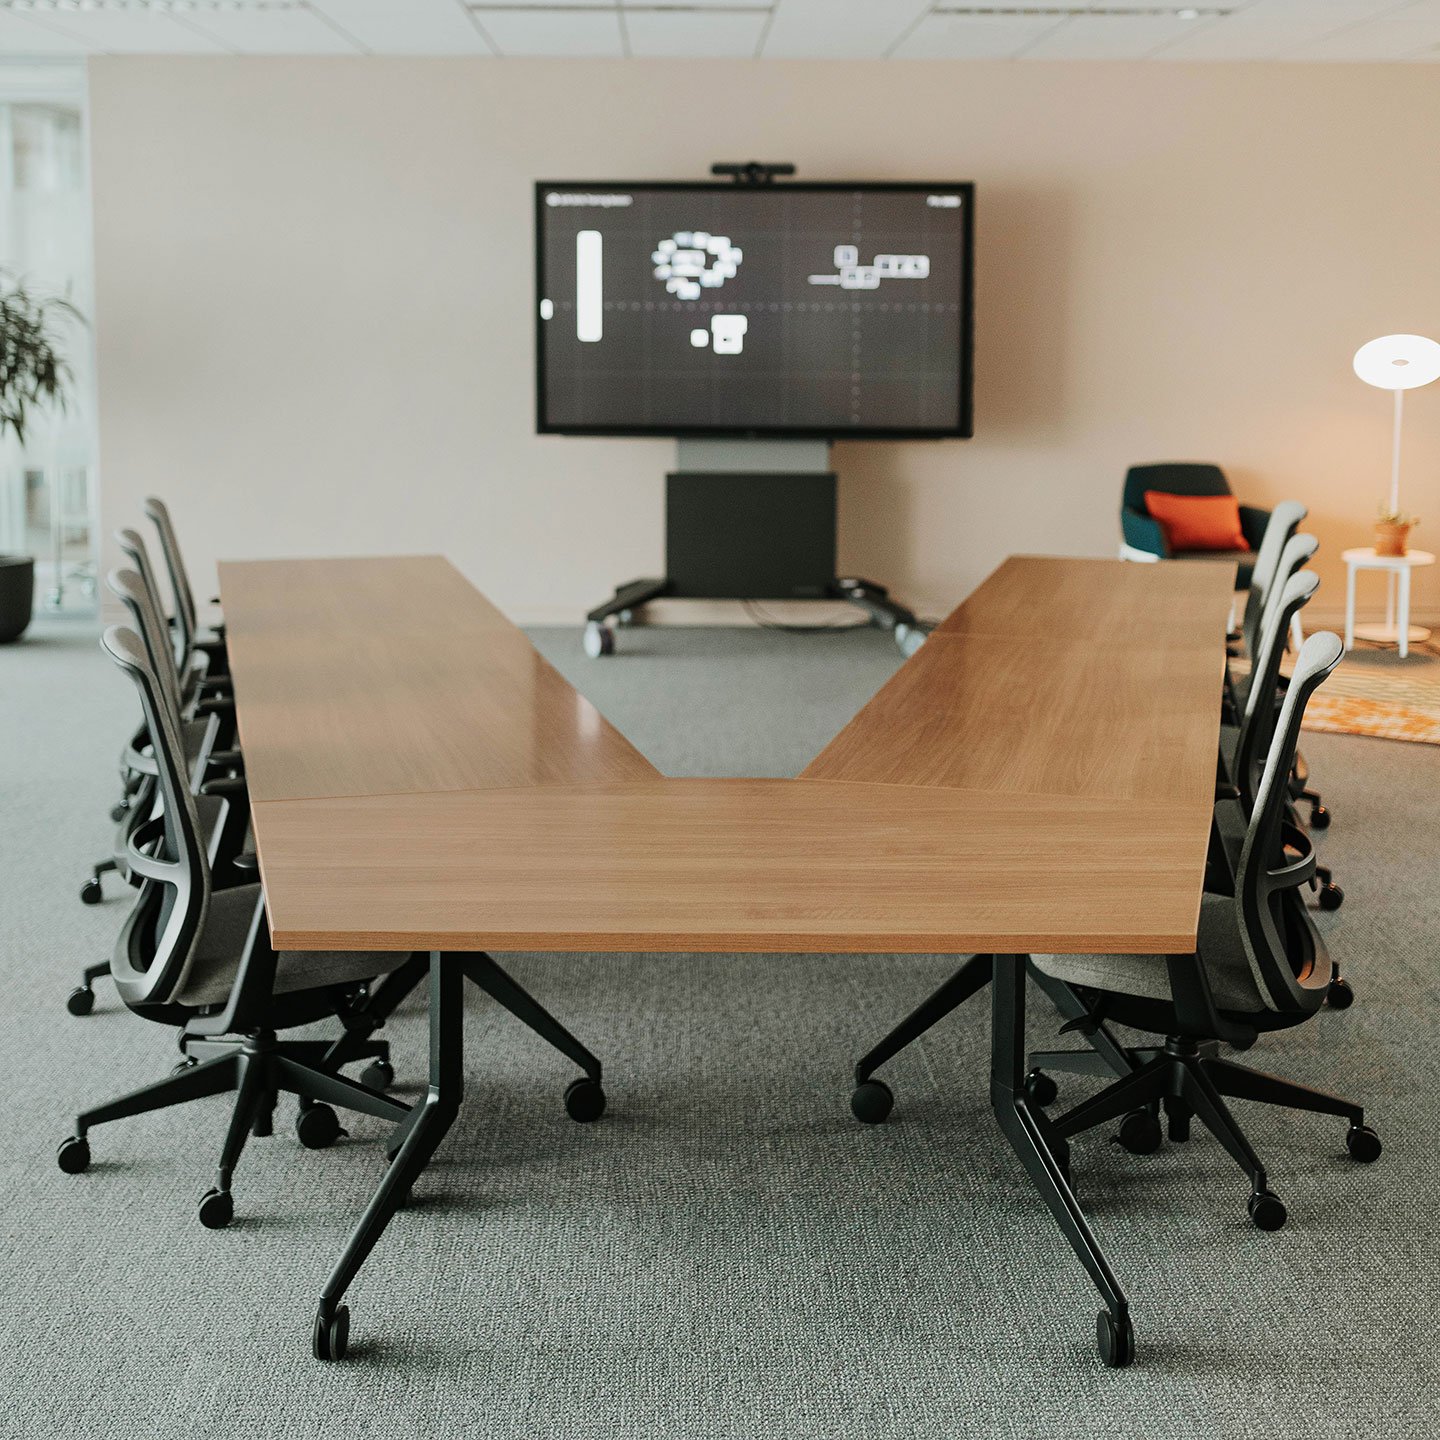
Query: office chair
(1265,680)
(186,618)
(200,959)
(1258,966)
(196,687)
(1143,537)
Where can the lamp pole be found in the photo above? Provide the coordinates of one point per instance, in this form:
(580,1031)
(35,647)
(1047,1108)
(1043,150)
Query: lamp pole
(1395,455)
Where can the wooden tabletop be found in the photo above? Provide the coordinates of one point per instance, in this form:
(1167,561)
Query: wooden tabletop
(422,780)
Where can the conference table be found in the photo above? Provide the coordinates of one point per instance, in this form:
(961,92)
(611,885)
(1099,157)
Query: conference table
(1037,778)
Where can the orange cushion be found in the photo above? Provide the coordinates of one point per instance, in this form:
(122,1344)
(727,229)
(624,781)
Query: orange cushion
(1198,522)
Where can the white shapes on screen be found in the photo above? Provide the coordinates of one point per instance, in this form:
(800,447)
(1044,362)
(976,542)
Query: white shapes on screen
(729,332)
(693,261)
(850,274)
(589,286)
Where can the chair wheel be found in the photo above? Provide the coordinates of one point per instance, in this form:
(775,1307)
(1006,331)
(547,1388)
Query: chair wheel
(1040,1089)
(584,1100)
(598,640)
(81,1000)
(872,1102)
(1332,897)
(317,1127)
(92,892)
(119,811)
(1319,817)
(332,1333)
(1266,1210)
(378,1075)
(181,1066)
(217,1209)
(1363,1144)
(1115,1340)
(73,1156)
(1139,1133)
(1339,995)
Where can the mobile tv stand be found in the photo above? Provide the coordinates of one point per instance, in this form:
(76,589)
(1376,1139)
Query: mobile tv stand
(750,520)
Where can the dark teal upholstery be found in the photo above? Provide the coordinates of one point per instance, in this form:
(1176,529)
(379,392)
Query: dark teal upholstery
(1180,477)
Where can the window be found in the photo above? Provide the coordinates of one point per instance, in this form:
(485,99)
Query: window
(48,495)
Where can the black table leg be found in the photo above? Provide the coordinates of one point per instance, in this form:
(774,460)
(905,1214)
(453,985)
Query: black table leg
(1045,1155)
(433,1118)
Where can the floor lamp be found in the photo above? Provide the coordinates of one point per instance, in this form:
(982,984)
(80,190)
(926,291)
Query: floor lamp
(1397,363)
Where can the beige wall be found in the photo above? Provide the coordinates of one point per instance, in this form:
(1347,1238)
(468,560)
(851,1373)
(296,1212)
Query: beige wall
(315,325)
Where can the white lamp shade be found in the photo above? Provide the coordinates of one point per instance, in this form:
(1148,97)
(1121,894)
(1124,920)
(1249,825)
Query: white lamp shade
(1398,362)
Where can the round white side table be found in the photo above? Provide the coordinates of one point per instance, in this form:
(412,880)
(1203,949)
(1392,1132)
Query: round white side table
(1397,629)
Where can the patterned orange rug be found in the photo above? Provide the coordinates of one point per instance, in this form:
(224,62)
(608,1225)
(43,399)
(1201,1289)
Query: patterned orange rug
(1374,692)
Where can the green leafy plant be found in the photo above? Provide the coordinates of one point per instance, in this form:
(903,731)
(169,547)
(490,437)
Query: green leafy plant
(33,369)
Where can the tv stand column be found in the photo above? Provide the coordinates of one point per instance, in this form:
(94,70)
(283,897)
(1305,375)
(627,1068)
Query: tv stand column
(750,520)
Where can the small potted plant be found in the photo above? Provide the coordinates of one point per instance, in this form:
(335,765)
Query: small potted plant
(33,373)
(1392,530)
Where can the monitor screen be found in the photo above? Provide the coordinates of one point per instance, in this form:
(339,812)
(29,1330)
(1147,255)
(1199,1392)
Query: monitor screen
(819,310)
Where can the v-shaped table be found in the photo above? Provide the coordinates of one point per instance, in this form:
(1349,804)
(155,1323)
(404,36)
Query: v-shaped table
(1038,778)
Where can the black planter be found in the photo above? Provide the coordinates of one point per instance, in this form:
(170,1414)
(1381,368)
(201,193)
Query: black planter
(17,595)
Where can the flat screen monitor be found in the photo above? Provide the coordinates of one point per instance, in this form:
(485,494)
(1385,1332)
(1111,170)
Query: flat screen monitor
(786,309)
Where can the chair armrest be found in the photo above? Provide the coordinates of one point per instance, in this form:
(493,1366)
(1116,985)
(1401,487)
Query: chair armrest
(226,786)
(1144,532)
(1253,521)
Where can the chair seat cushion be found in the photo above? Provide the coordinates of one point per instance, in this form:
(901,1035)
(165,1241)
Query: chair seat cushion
(222,942)
(1222,953)
(1198,522)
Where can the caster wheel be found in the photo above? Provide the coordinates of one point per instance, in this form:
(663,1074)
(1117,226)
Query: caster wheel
(584,1100)
(1332,897)
(1266,1210)
(909,639)
(1363,1144)
(1115,1340)
(599,640)
(872,1102)
(1339,995)
(625,617)
(332,1333)
(119,811)
(181,1066)
(317,1127)
(92,892)
(1139,1133)
(1040,1089)
(73,1156)
(81,1000)
(378,1075)
(1319,817)
(217,1209)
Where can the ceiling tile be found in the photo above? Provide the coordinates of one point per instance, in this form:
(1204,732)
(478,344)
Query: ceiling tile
(271,32)
(410,27)
(708,35)
(575,32)
(20,36)
(1107,37)
(974,37)
(1396,35)
(839,29)
(1269,29)
(143,32)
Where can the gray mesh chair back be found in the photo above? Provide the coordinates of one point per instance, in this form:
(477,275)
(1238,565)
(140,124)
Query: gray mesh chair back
(133,546)
(186,615)
(1284,521)
(153,956)
(130,587)
(1257,723)
(1261,890)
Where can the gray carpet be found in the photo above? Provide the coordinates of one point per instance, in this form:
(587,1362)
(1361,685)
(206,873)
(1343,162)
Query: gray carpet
(727,1253)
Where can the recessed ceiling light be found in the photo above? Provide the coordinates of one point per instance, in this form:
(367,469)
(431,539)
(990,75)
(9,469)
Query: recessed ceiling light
(1088,12)
(67,7)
